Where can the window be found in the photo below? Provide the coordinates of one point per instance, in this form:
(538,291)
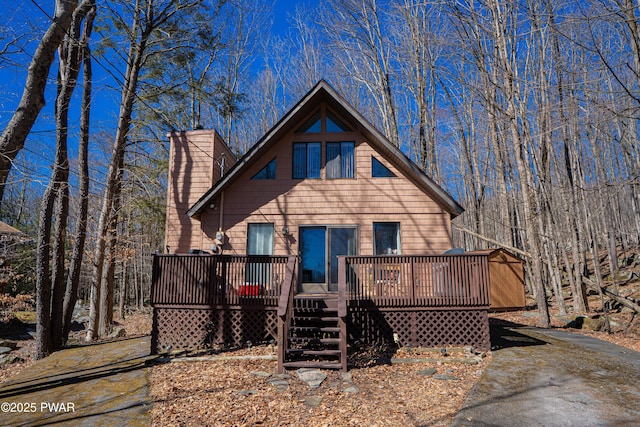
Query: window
(378,170)
(340,159)
(335,125)
(386,238)
(313,125)
(258,272)
(260,239)
(267,172)
(306,160)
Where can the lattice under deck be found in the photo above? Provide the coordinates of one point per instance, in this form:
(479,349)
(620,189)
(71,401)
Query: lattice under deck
(191,328)
(423,328)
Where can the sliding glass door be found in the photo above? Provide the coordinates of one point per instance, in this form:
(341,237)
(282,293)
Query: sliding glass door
(342,241)
(320,247)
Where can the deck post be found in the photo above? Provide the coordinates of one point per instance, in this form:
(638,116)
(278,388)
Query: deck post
(412,288)
(342,310)
(285,309)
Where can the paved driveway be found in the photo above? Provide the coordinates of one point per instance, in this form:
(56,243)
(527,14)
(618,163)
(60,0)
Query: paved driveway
(541,377)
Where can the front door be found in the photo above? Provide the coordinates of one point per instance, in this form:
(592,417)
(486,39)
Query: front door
(320,247)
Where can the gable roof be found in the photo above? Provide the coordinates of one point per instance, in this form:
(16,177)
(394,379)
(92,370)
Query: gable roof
(323,92)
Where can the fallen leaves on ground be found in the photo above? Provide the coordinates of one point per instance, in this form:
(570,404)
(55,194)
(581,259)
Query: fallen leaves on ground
(227,393)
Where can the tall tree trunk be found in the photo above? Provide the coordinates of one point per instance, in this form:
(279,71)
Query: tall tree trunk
(32,101)
(61,214)
(51,288)
(507,63)
(122,292)
(114,173)
(108,274)
(43,281)
(75,266)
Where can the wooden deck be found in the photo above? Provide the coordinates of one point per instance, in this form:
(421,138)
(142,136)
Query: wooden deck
(203,300)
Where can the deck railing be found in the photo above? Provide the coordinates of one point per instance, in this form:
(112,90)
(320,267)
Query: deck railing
(210,280)
(387,280)
(410,281)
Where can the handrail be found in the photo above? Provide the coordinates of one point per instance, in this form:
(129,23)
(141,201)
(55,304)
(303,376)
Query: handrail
(287,287)
(342,310)
(342,287)
(285,309)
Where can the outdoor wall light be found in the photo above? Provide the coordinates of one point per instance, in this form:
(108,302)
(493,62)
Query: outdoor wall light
(285,231)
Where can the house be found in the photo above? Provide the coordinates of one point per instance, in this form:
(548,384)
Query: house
(323,215)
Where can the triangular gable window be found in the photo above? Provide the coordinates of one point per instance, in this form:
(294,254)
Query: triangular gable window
(332,124)
(335,125)
(378,170)
(267,172)
(313,125)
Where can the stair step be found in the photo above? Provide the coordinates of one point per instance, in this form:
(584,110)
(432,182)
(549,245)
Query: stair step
(315,329)
(316,318)
(313,311)
(324,353)
(313,364)
(315,335)
(315,340)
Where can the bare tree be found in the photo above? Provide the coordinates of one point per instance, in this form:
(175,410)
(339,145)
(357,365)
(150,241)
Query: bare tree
(32,101)
(147,18)
(50,288)
(356,28)
(80,236)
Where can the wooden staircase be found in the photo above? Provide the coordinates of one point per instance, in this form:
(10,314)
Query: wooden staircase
(317,336)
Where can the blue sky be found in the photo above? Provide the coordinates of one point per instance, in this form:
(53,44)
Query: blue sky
(35,159)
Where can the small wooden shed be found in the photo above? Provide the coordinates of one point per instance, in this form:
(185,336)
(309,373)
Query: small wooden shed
(506,279)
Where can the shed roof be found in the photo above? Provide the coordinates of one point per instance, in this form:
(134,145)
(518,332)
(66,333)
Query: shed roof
(7,230)
(495,251)
(323,92)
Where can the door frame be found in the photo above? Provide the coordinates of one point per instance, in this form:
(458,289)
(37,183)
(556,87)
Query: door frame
(310,287)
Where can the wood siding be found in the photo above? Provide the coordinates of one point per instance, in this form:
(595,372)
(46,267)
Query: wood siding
(359,201)
(193,168)
(506,278)
(507,281)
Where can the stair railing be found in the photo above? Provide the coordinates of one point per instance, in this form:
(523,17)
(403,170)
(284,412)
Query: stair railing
(285,310)
(342,310)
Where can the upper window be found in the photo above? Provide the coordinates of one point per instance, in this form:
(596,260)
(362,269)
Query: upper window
(267,172)
(378,170)
(306,160)
(386,238)
(335,125)
(332,124)
(313,125)
(340,159)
